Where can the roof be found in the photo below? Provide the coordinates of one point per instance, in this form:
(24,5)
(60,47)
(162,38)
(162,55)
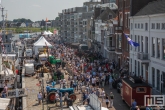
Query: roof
(7,72)
(41,42)
(103,15)
(138,82)
(4,102)
(155,7)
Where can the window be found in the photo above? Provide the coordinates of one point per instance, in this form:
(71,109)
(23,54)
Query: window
(142,43)
(153,46)
(158,79)
(163,43)
(163,25)
(158,47)
(146,26)
(117,36)
(141,90)
(157,25)
(110,41)
(146,44)
(120,38)
(126,20)
(131,26)
(138,26)
(153,77)
(135,25)
(138,68)
(141,25)
(153,26)
(110,16)
(138,42)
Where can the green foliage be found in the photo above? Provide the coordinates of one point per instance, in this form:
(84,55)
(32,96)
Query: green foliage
(21,20)
(21,29)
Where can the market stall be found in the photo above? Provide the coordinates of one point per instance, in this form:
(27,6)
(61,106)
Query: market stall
(41,43)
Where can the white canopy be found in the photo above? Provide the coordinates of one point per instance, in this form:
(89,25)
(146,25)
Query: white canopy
(45,33)
(50,32)
(44,55)
(7,72)
(42,42)
(4,102)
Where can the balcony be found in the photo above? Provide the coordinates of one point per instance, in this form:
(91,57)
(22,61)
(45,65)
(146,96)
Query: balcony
(119,28)
(143,57)
(118,51)
(111,48)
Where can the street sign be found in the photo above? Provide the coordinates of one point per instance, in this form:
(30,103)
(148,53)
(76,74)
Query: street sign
(16,93)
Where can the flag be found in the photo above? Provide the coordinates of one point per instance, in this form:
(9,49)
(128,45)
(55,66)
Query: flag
(131,42)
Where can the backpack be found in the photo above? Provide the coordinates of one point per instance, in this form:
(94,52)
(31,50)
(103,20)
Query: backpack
(111,96)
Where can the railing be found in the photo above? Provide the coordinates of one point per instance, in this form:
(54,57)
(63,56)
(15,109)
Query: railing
(142,56)
(119,28)
(111,48)
(118,50)
(95,103)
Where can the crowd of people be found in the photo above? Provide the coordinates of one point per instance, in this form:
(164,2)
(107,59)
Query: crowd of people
(90,75)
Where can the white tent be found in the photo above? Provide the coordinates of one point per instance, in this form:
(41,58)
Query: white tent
(4,103)
(40,44)
(45,33)
(7,72)
(50,32)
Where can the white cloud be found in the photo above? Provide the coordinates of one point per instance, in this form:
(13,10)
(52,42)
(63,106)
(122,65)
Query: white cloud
(36,5)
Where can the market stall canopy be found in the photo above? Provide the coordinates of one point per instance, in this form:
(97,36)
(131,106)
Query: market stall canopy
(41,42)
(75,45)
(44,55)
(4,103)
(45,33)
(50,32)
(83,47)
(7,72)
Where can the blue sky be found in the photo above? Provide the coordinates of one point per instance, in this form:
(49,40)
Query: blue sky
(37,9)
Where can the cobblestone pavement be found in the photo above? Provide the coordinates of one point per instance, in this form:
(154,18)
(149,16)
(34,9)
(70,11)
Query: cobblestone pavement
(32,90)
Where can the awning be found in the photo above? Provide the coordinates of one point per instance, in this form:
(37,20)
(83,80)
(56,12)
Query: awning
(4,102)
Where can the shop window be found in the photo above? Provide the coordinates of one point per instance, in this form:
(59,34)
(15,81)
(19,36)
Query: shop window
(141,90)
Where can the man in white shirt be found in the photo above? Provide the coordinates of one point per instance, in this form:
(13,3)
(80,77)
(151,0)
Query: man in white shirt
(93,81)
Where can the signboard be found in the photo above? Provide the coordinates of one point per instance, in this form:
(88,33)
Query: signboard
(16,93)
(154,100)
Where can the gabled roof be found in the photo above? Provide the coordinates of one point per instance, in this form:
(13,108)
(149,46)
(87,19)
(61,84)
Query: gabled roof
(155,7)
(104,14)
(41,42)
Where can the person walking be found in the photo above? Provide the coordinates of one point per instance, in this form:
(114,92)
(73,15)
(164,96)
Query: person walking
(107,100)
(111,99)
(39,96)
(134,104)
(102,94)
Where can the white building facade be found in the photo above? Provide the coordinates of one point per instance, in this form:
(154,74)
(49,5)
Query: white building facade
(23,25)
(148,60)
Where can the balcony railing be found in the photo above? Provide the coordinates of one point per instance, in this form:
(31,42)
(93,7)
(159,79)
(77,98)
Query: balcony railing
(118,28)
(142,56)
(118,50)
(111,48)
